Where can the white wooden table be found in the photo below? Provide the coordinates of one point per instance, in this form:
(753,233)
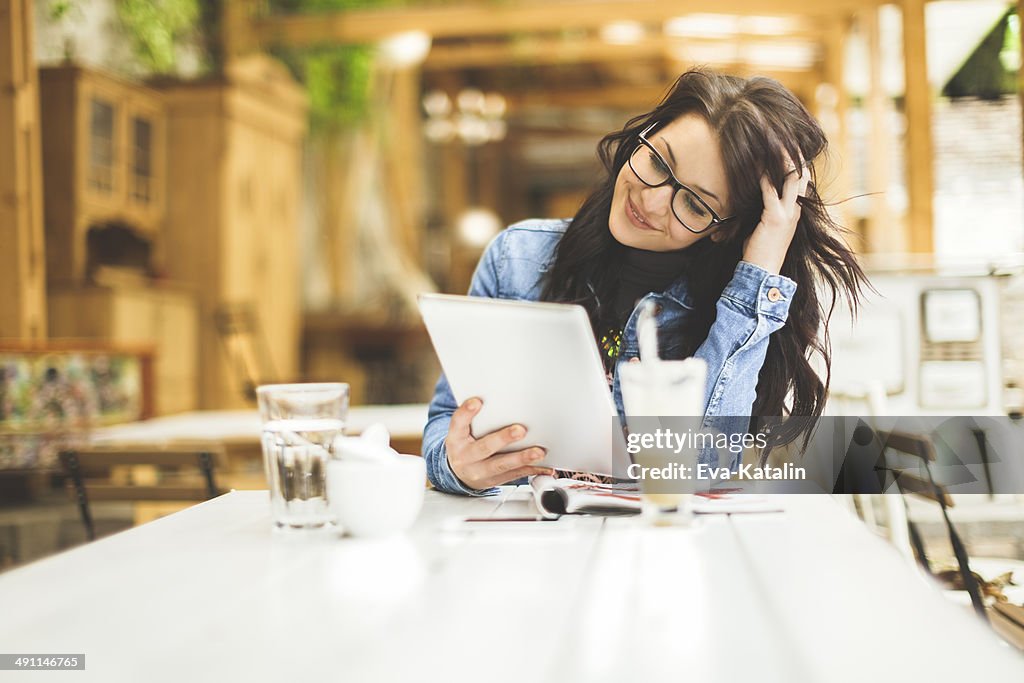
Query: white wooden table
(212,594)
(237,434)
(243,426)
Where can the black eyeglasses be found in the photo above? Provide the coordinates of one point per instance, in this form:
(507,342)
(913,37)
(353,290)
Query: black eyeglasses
(688,207)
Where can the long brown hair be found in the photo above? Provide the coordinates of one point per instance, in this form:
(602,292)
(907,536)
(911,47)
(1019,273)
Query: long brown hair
(759,124)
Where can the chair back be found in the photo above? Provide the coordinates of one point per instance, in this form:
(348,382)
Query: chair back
(908,457)
(908,478)
(238,327)
(140,475)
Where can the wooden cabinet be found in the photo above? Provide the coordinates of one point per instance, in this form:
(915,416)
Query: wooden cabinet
(164,319)
(104,166)
(209,174)
(104,161)
(235,179)
(22,275)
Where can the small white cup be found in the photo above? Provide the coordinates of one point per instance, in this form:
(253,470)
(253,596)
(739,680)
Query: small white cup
(376,498)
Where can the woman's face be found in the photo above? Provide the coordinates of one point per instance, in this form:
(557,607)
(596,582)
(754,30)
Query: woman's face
(641,216)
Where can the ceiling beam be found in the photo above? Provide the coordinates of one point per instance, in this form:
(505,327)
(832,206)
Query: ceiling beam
(553,50)
(640,98)
(469,20)
(632,97)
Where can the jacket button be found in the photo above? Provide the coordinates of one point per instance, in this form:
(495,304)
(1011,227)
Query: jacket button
(774,294)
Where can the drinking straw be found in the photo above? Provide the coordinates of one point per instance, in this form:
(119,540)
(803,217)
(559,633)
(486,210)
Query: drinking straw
(647,333)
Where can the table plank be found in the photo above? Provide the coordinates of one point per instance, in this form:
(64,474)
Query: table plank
(671,604)
(854,605)
(243,426)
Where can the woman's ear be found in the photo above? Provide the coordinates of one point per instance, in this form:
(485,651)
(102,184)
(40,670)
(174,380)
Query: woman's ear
(718,236)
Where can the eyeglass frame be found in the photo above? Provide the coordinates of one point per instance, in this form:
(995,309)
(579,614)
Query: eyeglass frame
(674,182)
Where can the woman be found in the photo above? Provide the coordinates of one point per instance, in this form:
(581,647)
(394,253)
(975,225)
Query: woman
(709,210)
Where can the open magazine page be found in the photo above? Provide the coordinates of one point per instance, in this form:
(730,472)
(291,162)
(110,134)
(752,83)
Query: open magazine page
(564,496)
(556,497)
(727,501)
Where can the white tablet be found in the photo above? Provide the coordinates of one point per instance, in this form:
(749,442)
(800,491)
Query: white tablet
(535,364)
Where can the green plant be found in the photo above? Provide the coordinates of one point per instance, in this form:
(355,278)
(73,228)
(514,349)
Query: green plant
(156,28)
(63,13)
(337,77)
(57,10)
(1009,55)
(337,81)
(985,73)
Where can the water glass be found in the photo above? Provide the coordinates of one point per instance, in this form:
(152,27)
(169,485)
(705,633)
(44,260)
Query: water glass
(300,425)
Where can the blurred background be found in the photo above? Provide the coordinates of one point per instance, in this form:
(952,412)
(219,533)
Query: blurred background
(200,197)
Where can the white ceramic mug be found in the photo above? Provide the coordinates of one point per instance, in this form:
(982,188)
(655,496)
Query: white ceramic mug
(376,497)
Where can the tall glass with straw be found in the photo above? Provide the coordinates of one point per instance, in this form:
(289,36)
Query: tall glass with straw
(664,401)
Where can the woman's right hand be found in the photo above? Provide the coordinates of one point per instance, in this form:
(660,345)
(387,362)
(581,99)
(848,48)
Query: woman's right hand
(477,463)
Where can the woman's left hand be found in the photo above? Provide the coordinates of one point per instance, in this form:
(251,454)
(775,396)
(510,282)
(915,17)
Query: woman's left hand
(767,245)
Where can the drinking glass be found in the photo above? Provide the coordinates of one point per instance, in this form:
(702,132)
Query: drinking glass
(300,425)
(666,396)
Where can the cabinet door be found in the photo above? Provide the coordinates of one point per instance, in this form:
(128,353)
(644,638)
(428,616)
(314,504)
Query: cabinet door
(145,158)
(103,134)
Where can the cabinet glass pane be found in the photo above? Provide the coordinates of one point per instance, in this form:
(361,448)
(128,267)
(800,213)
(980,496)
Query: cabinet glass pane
(101,146)
(142,159)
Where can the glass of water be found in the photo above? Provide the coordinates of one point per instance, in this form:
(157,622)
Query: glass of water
(300,424)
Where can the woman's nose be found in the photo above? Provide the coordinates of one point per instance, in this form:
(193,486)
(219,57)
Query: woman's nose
(657,200)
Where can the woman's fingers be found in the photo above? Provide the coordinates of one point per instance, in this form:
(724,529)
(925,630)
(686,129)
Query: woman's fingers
(504,467)
(462,418)
(495,441)
(805,181)
(769,194)
(506,462)
(793,185)
(512,475)
(768,243)
(476,462)
(459,442)
(791,188)
(770,240)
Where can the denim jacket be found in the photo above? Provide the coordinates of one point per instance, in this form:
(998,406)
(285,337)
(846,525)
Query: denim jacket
(754,304)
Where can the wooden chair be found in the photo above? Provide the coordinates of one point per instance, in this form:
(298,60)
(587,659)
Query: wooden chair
(908,458)
(99,474)
(238,327)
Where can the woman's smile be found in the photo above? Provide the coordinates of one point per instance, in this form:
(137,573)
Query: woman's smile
(637,217)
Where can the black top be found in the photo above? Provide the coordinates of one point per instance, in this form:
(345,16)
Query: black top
(643,272)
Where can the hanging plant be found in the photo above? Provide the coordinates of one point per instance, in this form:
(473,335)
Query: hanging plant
(337,82)
(157,28)
(336,77)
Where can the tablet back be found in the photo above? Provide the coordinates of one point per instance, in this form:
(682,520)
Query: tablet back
(534,364)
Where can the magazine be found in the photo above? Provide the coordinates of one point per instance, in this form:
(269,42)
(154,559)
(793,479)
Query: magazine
(556,497)
(562,496)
